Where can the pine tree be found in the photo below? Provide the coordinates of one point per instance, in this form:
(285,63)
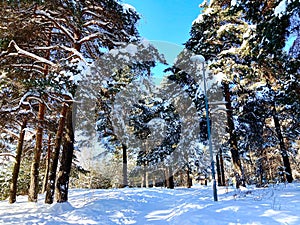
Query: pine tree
(217,34)
(73,33)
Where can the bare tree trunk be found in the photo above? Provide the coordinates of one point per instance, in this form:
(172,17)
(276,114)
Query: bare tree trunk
(144,178)
(181,178)
(171,178)
(54,162)
(143,184)
(218,170)
(47,163)
(16,169)
(166,173)
(283,151)
(153,181)
(188,178)
(125,176)
(237,166)
(34,175)
(62,184)
(222,168)
(147,178)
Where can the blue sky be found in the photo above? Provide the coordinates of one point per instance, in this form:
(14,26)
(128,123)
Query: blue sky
(166,20)
(167,24)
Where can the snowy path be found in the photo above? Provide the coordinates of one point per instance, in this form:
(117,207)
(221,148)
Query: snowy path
(276,205)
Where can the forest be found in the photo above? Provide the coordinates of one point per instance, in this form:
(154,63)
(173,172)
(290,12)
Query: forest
(79,107)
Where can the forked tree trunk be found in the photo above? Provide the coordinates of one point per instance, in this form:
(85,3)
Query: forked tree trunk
(48,159)
(34,174)
(54,162)
(16,169)
(237,165)
(63,177)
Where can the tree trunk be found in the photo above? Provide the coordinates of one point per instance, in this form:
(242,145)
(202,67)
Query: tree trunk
(166,173)
(16,169)
(62,185)
(283,151)
(181,178)
(188,178)
(222,168)
(171,178)
(125,176)
(147,178)
(218,170)
(54,161)
(48,157)
(153,181)
(34,174)
(143,184)
(237,166)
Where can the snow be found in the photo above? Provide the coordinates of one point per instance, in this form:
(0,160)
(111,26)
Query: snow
(198,58)
(233,3)
(128,7)
(281,8)
(278,204)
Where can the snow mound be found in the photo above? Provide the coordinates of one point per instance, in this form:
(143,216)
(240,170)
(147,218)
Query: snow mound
(59,208)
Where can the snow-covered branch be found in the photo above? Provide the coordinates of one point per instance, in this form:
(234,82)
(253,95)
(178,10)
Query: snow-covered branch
(75,53)
(89,37)
(6,154)
(36,68)
(58,25)
(22,52)
(23,101)
(68,49)
(95,22)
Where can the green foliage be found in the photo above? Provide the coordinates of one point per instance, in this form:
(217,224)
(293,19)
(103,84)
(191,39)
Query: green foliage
(245,42)
(5,178)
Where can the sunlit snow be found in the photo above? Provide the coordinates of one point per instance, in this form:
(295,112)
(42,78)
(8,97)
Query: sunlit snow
(281,8)
(278,204)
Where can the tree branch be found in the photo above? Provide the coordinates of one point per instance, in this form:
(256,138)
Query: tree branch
(23,52)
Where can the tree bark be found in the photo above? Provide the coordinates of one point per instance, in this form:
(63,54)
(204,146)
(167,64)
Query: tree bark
(54,162)
(62,184)
(218,170)
(48,158)
(188,178)
(16,169)
(222,168)
(166,173)
(237,166)
(125,175)
(147,178)
(169,178)
(283,151)
(34,175)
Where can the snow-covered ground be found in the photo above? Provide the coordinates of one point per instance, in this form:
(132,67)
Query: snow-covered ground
(275,205)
